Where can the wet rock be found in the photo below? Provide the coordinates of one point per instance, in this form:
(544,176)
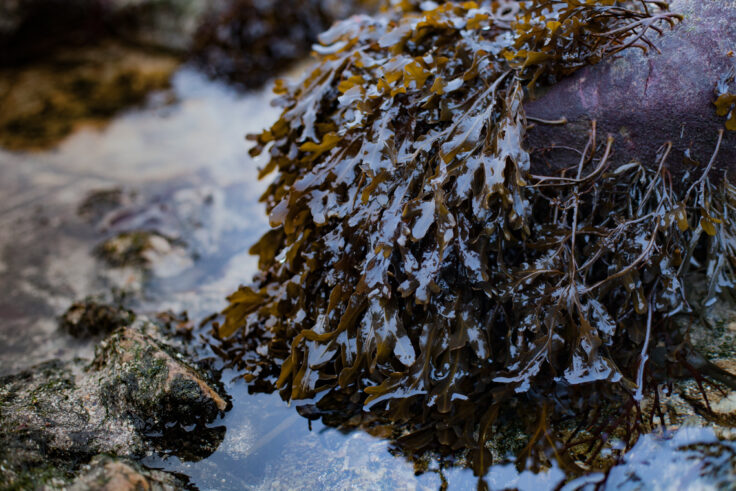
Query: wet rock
(100,202)
(646,100)
(149,381)
(57,416)
(90,318)
(51,414)
(31,29)
(44,102)
(115,474)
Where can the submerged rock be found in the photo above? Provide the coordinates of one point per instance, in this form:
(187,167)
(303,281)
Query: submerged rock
(143,249)
(138,390)
(647,99)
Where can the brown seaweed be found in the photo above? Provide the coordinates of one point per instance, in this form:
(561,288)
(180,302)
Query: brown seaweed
(417,274)
(250,40)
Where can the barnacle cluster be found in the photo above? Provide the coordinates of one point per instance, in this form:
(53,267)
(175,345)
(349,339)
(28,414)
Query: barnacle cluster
(419,270)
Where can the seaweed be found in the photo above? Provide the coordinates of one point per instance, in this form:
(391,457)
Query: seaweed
(420,281)
(250,41)
(726,99)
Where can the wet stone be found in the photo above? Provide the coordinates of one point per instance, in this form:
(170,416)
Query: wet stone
(138,392)
(150,381)
(100,202)
(138,248)
(115,474)
(90,318)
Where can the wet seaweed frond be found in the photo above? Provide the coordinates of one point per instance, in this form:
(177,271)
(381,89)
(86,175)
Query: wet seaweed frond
(726,99)
(417,275)
(556,37)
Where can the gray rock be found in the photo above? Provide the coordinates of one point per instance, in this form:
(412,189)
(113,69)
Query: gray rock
(645,100)
(141,377)
(138,391)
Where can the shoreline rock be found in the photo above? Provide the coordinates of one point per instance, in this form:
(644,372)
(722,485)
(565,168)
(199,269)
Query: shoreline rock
(646,100)
(138,393)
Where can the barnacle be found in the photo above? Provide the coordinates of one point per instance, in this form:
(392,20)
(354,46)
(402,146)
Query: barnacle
(417,267)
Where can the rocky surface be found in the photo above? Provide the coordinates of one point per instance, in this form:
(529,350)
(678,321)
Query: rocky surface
(646,100)
(138,390)
(141,248)
(115,474)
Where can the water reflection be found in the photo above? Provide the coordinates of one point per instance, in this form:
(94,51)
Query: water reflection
(269,446)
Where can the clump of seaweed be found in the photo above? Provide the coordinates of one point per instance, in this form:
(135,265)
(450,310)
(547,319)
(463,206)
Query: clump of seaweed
(418,269)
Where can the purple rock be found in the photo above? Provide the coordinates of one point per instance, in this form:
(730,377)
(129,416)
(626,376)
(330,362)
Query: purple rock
(645,100)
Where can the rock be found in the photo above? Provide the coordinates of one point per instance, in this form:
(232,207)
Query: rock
(89,318)
(45,102)
(138,248)
(31,29)
(146,379)
(250,41)
(143,252)
(139,391)
(114,474)
(52,414)
(645,100)
(100,202)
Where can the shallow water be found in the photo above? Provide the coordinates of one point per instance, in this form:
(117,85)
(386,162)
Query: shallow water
(184,170)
